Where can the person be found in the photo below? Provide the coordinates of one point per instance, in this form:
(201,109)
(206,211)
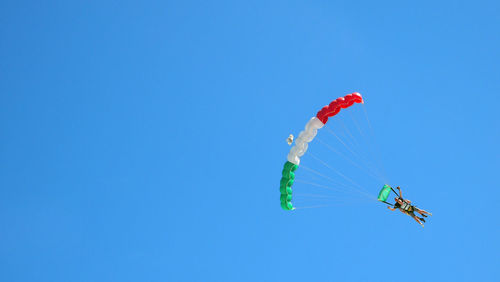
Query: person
(406,207)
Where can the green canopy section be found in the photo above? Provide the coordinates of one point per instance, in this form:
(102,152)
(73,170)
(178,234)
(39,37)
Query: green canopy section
(287,178)
(384,193)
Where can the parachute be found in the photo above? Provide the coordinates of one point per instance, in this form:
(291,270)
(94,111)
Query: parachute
(304,138)
(384,193)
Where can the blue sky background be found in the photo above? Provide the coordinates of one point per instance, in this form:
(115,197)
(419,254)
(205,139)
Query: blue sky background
(144,140)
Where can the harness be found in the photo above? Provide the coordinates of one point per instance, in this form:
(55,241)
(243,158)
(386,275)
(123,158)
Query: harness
(406,207)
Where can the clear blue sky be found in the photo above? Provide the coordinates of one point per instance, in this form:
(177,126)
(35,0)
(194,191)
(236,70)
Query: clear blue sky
(144,140)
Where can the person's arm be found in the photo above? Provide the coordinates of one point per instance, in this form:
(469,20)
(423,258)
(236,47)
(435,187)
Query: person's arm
(400,194)
(392,209)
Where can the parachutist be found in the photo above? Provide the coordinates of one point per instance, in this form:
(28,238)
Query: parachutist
(406,207)
(289,140)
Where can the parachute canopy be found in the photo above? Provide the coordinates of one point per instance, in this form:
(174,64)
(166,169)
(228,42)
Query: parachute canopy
(384,193)
(303,139)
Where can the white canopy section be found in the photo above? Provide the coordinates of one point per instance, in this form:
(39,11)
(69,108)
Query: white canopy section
(305,136)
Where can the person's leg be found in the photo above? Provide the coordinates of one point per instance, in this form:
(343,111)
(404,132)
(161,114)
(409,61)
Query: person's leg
(419,211)
(416,218)
(422,212)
